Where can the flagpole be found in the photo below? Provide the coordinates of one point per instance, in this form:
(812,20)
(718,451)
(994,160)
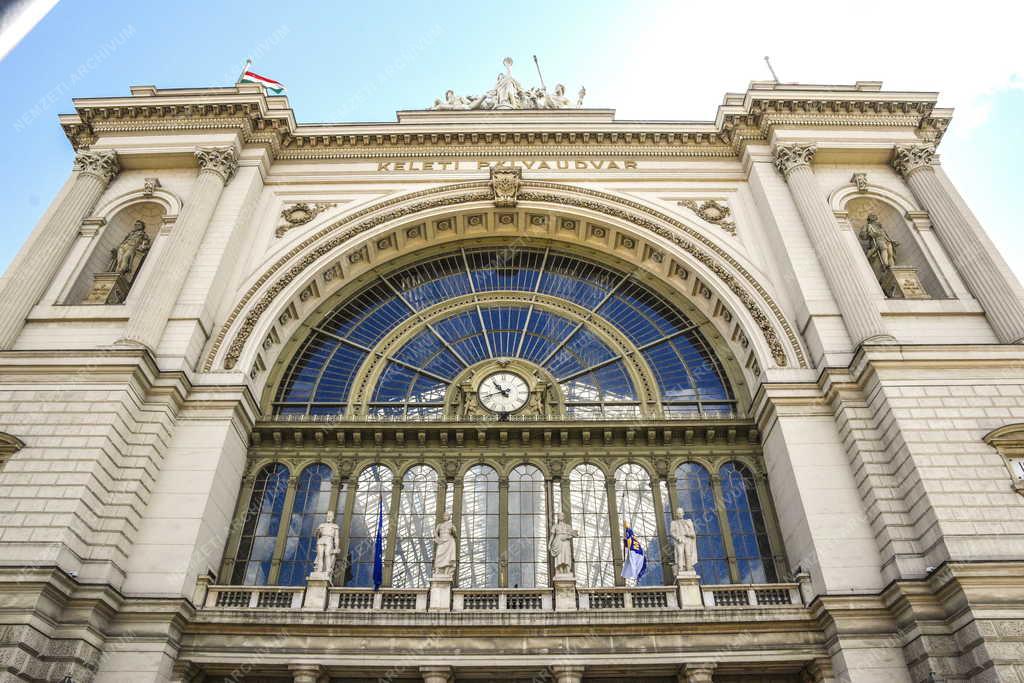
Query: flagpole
(248,63)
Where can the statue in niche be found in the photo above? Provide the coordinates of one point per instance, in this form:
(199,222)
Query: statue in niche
(444,542)
(878,245)
(128,256)
(560,545)
(328,538)
(684,542)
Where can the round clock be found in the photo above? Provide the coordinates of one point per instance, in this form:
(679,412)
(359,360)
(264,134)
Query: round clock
(503,392)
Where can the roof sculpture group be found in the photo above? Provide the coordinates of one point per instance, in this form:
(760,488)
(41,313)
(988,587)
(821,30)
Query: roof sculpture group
(508,93)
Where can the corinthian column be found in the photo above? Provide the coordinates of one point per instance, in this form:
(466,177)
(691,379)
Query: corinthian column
(852,294)
(168,272)
(31,273)
(968,253)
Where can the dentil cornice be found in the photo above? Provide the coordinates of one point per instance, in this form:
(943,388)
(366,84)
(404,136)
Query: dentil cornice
(909,158)
(100,163)
(741,119)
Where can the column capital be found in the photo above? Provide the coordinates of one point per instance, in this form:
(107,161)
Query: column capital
(567,673)
(221,160)
(305,673)
(792,156)
(101,163)
(696,672)
(436,674)
(908,158)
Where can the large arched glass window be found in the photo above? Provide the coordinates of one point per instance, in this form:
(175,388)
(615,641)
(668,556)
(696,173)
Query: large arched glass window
(312,496)
(414,544)
(634,499)
(527,529)
(262,523)
(697,498)
(372,497)
(589,507)
(478,542)
(746,524)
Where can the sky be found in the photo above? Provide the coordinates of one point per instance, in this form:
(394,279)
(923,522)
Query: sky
(344,61)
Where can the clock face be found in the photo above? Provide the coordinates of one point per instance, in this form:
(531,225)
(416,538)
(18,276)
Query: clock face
(503,392)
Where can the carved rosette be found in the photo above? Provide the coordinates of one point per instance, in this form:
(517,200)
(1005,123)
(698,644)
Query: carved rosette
(505,183)
(221,160)
(712,211)
(791,157)
(908,158)
(300,213)
(100,163)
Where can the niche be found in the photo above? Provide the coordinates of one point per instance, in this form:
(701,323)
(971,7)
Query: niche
(893,249)
(118,253)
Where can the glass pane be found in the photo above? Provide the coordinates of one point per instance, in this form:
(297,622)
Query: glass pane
(589,506)
(372,497)
(262,522)
(635,502)
(312,496)
(417,513)
(746,524)
(527,529)
(478,543)
(697,498)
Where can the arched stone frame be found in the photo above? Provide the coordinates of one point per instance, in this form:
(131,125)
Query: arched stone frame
(909,222)
(108,225)
(666,251)
(1008,440)
(9,445)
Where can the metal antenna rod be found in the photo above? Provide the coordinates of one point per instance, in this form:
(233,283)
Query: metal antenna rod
(539,73)
(774,77)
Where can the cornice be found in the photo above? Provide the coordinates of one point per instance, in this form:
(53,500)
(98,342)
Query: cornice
(269,121)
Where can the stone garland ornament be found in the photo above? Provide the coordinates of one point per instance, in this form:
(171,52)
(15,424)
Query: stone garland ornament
(300,213)
(508,93)
(712,211)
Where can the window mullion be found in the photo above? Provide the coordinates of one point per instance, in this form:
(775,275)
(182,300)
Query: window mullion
(395,505)
(613,515)
(726,529)
(345,522)
(659,521)
(503,532)
(227,565)
(282,532)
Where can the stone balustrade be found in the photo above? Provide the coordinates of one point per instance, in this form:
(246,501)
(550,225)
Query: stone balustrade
(742,596)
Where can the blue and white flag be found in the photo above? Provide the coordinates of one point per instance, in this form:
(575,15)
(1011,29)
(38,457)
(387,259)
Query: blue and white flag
(378,548)
(634,559)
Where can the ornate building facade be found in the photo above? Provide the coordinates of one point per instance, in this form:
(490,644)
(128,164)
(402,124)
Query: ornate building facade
(525,332)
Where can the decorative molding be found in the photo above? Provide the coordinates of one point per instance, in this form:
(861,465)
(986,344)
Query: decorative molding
(101,163)
(712,211)
(793,156)
(221,160)
(686,238)
(505,184)
(908,158)
(300,213)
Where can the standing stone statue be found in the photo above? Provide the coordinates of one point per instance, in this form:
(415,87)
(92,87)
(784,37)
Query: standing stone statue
(327,541)
(507,90)
(684,542)
(444,552)
(128,255)
(879,247)
(560,545)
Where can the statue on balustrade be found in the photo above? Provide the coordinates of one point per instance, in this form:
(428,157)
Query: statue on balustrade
(327,541)
(560,545)
(127,257)
(684,542)
(444,551)
(878,245)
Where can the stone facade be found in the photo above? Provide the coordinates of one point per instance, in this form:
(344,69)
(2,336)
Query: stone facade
(879,431)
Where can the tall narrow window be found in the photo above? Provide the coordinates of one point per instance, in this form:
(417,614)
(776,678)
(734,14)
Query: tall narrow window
(262,522)
(527,529)
(373,497)
(312,496)
(697,498)
(589,506)
(746,524)
(478,543)
(635,502)
(417,512)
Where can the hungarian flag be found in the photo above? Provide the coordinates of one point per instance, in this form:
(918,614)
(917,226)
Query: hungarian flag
(268,83)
